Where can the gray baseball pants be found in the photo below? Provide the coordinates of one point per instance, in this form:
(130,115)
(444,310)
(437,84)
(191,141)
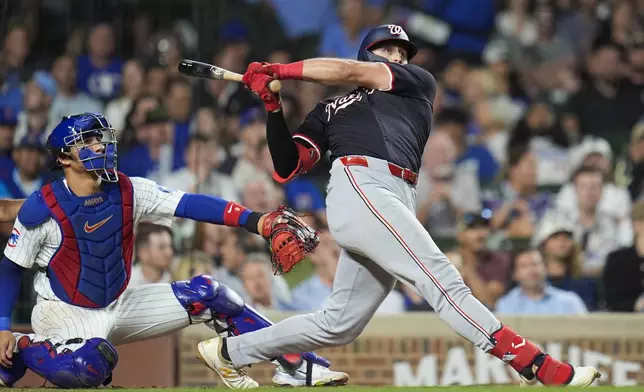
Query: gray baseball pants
(371,216)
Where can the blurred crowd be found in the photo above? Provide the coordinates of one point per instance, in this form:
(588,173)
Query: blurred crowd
(532,181)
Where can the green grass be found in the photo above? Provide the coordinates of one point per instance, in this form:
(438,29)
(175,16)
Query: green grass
(486,388)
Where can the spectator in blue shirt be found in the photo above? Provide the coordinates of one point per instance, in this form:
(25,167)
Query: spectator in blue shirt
(30,156)
(516,203)
(533,294)
(152,154)
(302,17)
(99,71)
(8,122)
(310,294)
(454,123)
(179,105)
(342,38)
(471,22)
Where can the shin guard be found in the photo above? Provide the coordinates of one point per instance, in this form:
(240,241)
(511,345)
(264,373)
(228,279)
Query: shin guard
(87,366)
(523,356)
(204,293)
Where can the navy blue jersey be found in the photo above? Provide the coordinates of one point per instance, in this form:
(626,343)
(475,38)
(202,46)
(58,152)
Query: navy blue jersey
(392,125)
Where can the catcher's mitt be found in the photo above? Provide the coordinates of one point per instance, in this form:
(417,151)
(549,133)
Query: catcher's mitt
(289,238)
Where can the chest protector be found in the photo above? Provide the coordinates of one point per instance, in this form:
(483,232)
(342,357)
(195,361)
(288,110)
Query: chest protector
(92,266)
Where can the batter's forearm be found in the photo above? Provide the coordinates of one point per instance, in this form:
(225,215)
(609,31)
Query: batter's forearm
(9,209)
(332,71)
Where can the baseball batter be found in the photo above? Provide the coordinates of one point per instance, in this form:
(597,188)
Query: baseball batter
(375,135)
(79,232)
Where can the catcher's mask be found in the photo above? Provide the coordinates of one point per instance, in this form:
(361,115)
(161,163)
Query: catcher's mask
(84,131)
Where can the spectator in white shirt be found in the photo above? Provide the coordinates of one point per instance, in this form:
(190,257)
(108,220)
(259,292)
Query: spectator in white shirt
(153,255)
(68,99)
(132,86)
(595,231)
(615,201)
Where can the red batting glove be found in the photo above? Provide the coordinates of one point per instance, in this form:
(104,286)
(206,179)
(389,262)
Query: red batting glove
(279,71)
(258,83)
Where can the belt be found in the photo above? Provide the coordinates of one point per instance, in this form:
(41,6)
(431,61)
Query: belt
(407,175)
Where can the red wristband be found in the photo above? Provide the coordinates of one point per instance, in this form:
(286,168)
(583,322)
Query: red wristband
(289,71)
(232,213)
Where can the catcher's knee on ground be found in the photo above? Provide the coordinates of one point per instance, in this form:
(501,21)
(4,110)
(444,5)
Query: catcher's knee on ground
(87,366)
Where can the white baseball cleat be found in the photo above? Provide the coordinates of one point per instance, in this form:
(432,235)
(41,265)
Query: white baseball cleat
(209,352)
(583,376)
(320,377)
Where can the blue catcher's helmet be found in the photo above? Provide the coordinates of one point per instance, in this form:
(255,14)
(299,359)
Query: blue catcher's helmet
(84,131)
(380,35)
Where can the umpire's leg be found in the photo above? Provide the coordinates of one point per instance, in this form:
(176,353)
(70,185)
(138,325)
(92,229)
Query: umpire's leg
(359,288)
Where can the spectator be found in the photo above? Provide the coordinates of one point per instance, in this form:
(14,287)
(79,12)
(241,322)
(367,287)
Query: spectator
(454,122)
(605,106)
(342,38)
(309,295)
(156,81)
(255,273)
(68,100)
(200,174)
(99,71)
(232,256)
(153,255)
(550,59)
(493,123)
(131,135)
(623,275)
(563,259)
(540,131)
(153,156)
(516,204)
(131,88)
(597,233)
(471,22)
(444,191)
(15,51)
(33,121)
(208,239)
(484,271)
(8,124)
(636,155)
(30,156)
(194,263)
(533,294)
(179,105)
(615,201)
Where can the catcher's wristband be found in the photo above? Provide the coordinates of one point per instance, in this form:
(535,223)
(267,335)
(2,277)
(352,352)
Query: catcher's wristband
(252,222)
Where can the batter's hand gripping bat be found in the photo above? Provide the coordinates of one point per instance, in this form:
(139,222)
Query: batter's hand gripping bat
(197,69)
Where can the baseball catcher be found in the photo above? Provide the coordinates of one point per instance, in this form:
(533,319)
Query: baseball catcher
(79,232)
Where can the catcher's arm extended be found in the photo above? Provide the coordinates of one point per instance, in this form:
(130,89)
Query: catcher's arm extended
(9,209)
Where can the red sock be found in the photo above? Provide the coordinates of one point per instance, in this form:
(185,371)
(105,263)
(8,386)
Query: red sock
(522,354)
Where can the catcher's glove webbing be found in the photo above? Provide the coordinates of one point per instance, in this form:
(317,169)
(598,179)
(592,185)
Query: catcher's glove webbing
(290,239)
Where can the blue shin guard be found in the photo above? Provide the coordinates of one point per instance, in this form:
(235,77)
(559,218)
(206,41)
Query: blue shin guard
(88,366)
(203,293)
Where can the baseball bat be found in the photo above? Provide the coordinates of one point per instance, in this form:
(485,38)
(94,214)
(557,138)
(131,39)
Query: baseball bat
(197,69)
